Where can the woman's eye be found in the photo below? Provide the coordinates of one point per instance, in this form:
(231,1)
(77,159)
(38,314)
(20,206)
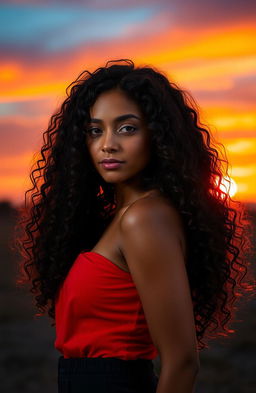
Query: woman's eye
(92,131)
(128,128)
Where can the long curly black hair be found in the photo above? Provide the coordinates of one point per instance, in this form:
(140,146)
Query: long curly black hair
(70,205)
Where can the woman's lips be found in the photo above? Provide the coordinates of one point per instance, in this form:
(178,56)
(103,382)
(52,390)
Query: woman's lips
(111,165)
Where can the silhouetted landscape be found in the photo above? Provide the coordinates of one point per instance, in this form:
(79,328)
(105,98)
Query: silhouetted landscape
(28,359)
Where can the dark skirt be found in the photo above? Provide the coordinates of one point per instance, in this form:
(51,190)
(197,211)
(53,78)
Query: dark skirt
(106,375)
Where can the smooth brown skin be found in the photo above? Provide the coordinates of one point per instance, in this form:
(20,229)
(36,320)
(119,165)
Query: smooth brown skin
(146,237)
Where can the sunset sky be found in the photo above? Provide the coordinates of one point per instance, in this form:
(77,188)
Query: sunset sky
(207,47)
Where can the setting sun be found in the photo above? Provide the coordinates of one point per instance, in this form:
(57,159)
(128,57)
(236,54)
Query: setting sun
(228,185)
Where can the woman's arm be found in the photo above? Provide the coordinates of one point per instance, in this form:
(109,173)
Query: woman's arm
(153,243)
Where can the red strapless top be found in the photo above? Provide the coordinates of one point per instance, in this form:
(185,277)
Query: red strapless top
(99,313)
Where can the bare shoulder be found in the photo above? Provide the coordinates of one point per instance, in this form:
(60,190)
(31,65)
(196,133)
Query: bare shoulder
(153,208)
(152,215)
(153,244)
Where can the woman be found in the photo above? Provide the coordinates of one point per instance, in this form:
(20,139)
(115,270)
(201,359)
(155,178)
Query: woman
(133,246)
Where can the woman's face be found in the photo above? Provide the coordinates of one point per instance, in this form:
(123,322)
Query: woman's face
(117,130)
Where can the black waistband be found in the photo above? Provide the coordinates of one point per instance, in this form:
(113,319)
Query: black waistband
(104,365)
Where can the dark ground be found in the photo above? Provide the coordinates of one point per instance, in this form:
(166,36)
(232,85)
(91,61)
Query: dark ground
(28,359)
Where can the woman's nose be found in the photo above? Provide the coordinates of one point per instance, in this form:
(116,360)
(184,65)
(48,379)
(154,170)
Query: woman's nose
(109,141)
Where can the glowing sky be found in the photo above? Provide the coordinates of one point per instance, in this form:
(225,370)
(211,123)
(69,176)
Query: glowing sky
(206,47)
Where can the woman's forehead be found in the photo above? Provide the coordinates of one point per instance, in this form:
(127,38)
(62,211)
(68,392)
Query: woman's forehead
(114,103)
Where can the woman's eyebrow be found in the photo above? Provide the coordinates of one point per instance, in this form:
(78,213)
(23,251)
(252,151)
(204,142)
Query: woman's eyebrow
(117,119)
